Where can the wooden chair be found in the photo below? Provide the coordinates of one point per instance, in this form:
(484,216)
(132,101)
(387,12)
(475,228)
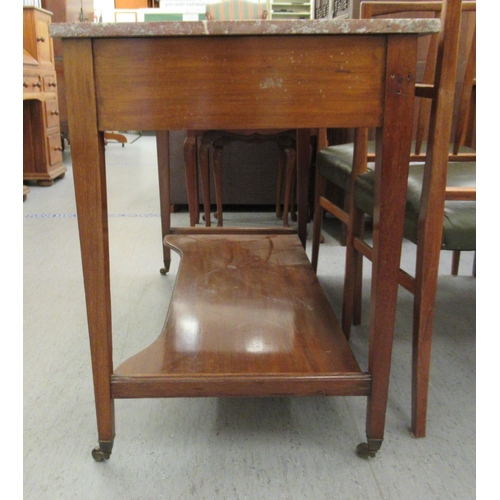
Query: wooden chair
(237,10)
(212,142)
(440,211)
(339,159)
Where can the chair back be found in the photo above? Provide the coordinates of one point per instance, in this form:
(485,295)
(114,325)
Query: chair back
(463,118)
(237,10)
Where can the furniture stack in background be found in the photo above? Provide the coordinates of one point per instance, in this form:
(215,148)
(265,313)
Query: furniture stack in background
(66,11)
(42,148)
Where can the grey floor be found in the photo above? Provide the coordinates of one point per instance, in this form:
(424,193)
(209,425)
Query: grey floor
(278,448)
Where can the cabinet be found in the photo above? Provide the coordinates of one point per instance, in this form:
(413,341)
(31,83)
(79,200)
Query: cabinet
(292,9)
(66,11)
(42,148)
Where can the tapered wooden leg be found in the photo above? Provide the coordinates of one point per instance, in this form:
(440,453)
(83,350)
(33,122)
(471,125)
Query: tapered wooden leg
(422,346)
(87,151)
(279,183)
(455,262)
(352,273)
(358,278)
(320,185)
(351,308)
(303,174)
(217,162)
(163,156)
(290,174)
(190,159)
(205,179)
(391,173)
(319,191)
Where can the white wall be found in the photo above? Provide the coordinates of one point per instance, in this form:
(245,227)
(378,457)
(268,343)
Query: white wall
(107,7)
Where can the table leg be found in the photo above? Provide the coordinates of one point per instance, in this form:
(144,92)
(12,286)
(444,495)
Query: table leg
(191,169)
(303,174)
(163,155)
(87,151)
(393,150)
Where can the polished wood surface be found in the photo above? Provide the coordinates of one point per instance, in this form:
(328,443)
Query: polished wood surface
(370,74)
(250,307)
(225,64)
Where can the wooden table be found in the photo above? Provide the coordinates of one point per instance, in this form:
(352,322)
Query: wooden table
(248,316)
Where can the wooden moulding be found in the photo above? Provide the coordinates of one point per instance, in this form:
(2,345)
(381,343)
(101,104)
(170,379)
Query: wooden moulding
(247,317)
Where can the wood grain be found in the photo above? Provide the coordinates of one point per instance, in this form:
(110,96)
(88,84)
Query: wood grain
(238,80)
(249,308)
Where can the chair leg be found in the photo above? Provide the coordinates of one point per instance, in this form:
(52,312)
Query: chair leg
(205,180)
(421,357)
(320,185)
(352,270)
(426,278)
(343,233)
(217,162)
(358,279)
(455,262)
(290,174)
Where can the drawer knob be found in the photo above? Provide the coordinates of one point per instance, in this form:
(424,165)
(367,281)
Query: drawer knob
(25,84)
(40,39)
(59,148)
(52,84)
(55,113)
(37,84)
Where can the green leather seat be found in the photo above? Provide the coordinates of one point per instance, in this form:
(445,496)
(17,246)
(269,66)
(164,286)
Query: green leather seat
(459,226)
(459,229)
(335,163)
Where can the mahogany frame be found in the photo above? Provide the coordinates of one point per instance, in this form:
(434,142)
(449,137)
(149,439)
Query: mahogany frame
(333,74)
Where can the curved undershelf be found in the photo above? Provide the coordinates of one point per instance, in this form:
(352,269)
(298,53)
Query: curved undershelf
(248,317)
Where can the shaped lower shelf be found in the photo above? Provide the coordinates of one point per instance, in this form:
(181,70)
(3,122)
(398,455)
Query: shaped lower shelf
(248,317)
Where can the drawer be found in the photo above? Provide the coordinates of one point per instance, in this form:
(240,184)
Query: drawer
(52,113)
(55,149)
(31,84)
(49,83)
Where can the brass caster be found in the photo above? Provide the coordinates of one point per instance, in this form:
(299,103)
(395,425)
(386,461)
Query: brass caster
(166,269)
(363,451)
(99,455)
(103,451)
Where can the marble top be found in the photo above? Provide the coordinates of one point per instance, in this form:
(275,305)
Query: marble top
(232,28)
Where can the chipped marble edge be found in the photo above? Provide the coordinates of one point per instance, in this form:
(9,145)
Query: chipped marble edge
(218,28)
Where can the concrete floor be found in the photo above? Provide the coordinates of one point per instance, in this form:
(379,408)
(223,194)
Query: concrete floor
(278,448)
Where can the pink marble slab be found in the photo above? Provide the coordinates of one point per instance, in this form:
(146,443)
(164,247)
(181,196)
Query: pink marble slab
(231,28)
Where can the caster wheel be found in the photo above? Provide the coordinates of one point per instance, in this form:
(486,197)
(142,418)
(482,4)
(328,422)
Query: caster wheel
(166,268)
(363,451)
(100,456)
